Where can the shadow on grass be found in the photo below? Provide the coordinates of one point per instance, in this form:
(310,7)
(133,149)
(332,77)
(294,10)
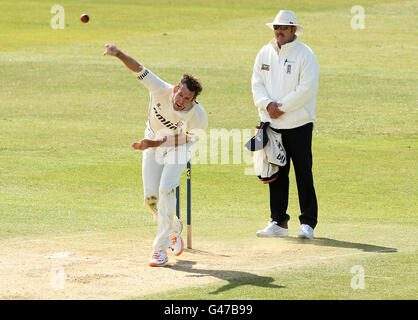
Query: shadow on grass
(234,278)
(241,278)
(326,242)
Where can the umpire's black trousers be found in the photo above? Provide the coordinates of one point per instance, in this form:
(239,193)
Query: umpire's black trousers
(298,145)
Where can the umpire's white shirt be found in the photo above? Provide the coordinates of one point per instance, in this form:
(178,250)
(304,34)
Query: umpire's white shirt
(289,76)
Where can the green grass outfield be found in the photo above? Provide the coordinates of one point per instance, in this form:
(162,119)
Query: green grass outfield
(68,116)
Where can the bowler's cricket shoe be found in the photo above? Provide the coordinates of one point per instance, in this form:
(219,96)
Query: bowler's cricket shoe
(158,259)
(177,245)
(273,230)
(306,231)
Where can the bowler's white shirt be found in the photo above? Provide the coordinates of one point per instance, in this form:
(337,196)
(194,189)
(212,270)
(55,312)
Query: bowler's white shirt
(163,120)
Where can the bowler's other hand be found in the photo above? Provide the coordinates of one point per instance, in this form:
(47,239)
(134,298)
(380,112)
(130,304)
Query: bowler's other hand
(148,143)
(111,50)
(273,110)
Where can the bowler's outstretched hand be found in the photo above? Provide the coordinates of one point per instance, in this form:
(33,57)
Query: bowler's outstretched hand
(111,50)
(148,143)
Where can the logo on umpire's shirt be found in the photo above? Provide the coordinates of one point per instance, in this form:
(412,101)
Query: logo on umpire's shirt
(289,69)
(265,67)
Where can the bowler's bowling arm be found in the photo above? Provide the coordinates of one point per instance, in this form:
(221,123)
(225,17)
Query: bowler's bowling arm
(130,62)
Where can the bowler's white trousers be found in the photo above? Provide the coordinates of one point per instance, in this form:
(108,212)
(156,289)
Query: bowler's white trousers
(162,168)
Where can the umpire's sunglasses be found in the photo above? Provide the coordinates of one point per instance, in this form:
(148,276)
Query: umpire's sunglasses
(276,27)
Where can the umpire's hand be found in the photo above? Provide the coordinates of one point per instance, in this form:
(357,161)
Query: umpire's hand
(273,110)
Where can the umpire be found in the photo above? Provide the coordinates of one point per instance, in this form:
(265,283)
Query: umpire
(284,87)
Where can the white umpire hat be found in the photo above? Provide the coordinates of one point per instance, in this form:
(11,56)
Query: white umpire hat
(286,18)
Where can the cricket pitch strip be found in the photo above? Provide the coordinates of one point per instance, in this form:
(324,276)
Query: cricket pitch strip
(111,266)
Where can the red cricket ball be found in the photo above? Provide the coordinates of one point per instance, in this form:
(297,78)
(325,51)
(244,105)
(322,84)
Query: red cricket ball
(84,18)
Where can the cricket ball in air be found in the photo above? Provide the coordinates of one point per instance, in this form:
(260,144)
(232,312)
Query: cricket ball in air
(84,18)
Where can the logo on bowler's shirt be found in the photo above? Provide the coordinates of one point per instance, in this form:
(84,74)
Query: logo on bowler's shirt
(142,76)
(289,69)
(159,105)
(265,67)
(165,122)
(179,124)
